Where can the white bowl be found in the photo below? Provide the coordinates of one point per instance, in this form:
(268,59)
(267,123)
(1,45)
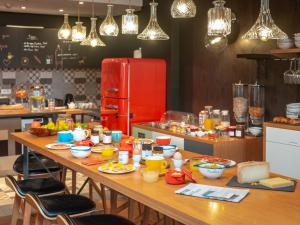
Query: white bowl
(293,105)
(285,45)
(211,173)
(297,43)
(285,40)
(255,130)
(168,153)
(292,116)
(81,151)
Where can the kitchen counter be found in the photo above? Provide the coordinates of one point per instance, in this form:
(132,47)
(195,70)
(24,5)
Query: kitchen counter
(282,126)
(11,121)
(27,113)
(237,149)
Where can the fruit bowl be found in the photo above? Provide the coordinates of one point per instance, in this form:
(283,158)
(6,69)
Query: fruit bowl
(42,132)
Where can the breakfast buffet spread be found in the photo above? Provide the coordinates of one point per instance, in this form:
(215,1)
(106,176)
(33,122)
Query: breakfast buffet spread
(154,159)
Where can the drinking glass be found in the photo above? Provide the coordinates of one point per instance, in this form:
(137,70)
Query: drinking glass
(289,74)
(297,73)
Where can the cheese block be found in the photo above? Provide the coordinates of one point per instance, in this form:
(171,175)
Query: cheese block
(248,172)
(276,182)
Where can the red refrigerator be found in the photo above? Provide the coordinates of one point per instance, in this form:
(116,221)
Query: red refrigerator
(132,91)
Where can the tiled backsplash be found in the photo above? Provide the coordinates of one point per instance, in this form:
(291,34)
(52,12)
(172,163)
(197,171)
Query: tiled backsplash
(84,84)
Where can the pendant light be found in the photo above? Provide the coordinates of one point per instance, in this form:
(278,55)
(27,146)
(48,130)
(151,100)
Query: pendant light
(153,31)
(219,19)
(109,27)
(183,9)
(93,38)
(78,31)
(264,27)
(130,24)
(64,32)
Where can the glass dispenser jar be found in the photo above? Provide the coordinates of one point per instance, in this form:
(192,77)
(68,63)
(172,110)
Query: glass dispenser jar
(37,98)
(240,102)
(256,104)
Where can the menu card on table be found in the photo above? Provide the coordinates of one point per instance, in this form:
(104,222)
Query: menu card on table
(213,192)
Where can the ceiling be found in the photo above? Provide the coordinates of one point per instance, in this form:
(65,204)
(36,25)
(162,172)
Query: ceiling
(55,7)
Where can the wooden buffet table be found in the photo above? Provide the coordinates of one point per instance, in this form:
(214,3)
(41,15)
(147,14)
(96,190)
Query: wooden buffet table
(237,149)
(260,207)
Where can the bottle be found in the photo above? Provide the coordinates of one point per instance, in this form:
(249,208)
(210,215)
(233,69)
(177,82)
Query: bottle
(203,115)
(225,119)
(208,122)
(216,115)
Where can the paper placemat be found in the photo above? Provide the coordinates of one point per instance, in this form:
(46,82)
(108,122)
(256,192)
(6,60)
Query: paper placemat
(234,183)
(213,192)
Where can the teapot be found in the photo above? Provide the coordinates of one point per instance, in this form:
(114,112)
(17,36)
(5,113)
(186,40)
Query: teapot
(79,134)
(71,105)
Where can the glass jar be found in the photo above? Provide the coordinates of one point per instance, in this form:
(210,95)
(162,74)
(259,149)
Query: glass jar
(216,115)
(225,118)
(256,104)
(203,115)
(231,131)
(64,122)
(107,139)
(146,150)
(240,131)
(240,102)
(37,98)
(99,129)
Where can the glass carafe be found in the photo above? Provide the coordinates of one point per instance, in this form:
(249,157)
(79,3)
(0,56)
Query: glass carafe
(240,102)
(256,104)
(37,98)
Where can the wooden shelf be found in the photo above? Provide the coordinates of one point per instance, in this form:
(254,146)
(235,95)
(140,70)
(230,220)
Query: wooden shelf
(286,51)
(256,56)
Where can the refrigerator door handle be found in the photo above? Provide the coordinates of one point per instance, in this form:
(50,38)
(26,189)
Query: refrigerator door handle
(113,90)
(111,107)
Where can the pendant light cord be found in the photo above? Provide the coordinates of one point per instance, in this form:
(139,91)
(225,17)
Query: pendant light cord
(93,10)
(78,15)
(129,4)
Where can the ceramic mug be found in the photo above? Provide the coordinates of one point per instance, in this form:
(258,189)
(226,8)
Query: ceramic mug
(116,135)
(64,136)
(156,163)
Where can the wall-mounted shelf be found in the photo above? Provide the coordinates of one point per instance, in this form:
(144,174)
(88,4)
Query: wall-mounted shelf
(256,56)
(285,51)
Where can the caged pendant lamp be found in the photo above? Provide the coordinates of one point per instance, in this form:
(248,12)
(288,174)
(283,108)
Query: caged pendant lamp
(153,31)
(130,21)
(93,39)
(264,27)
(219,19)
(65,31)
(109,27)
(183,9)
(78,31)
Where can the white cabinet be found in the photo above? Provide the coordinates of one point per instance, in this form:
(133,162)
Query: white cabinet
(283,151)
(179,142)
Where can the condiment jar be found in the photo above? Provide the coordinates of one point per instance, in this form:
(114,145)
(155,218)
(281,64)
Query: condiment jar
(95,137)
(146,150)
(231,131)
(107,139)
(240,131)
(123,157)
(225,118)
(99,129)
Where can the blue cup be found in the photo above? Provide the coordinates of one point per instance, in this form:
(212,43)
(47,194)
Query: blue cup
(116,135)
(64,136)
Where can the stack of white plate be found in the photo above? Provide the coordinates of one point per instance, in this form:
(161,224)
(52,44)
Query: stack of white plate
(293,110)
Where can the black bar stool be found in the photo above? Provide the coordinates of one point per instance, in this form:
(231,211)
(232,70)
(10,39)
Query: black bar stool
(37,167)
(105,219)
(39,186)
(49,207)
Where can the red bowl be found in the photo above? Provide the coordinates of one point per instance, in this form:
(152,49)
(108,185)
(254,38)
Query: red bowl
(163,140)
(175,177)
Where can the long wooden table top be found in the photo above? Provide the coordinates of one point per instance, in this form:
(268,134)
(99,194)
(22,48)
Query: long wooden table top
(260,207)
(203,139)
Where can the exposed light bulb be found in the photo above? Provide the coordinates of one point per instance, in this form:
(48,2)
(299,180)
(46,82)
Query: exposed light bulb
(182,8)
(130,22)
(218,24)
(264,33)
(94,42)
(215,40)
(109,27)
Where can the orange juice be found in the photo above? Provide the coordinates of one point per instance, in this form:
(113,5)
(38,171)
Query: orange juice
(209,124)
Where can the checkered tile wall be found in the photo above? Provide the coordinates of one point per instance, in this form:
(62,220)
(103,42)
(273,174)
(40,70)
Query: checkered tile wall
(84,84)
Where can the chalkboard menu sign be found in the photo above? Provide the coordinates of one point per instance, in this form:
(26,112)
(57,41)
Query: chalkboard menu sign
(40,48)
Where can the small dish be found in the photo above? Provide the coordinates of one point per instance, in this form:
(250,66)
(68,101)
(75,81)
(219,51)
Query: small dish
(211,170)
(163,140)
(80,151)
